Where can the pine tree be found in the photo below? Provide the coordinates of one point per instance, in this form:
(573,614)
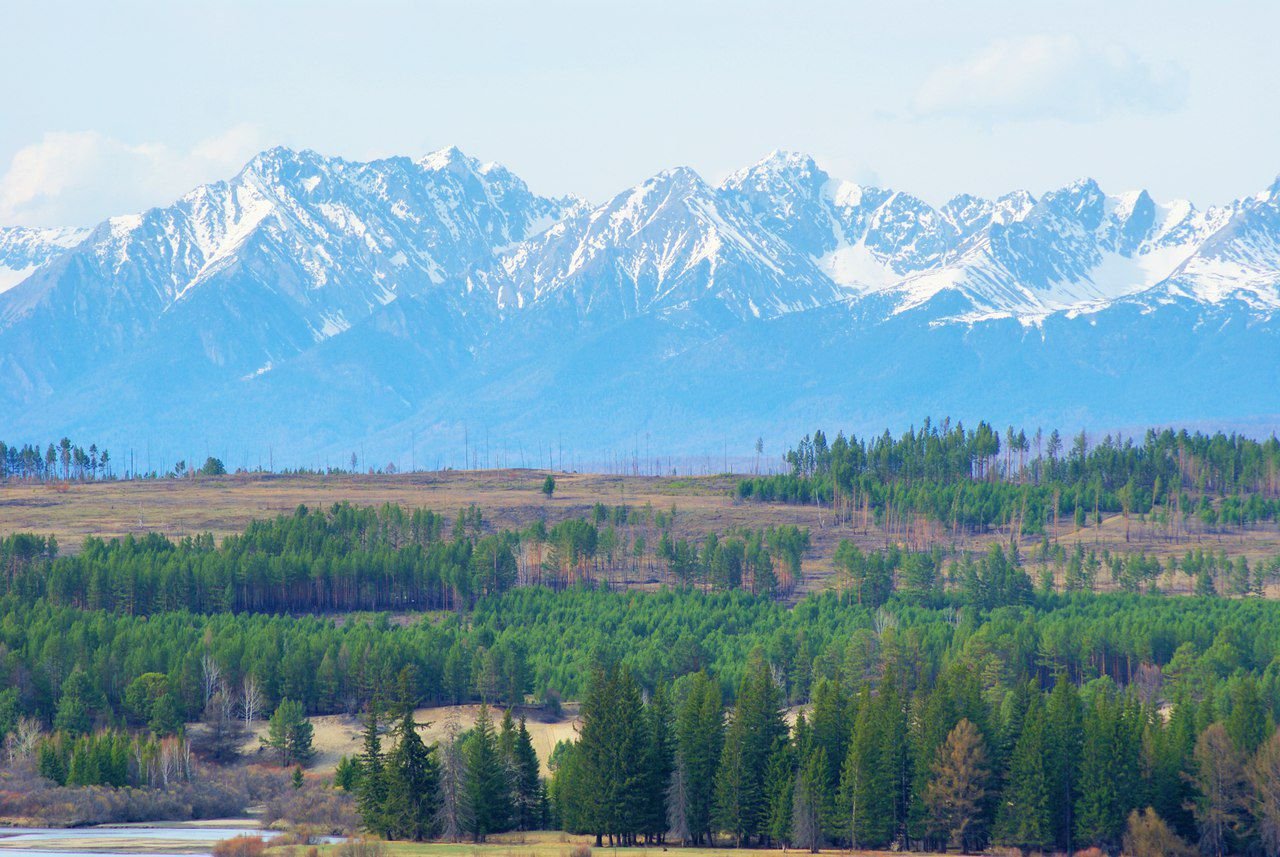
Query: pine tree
(75,704)
(289,734)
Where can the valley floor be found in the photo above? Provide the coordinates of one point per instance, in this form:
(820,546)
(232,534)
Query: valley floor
(512,499)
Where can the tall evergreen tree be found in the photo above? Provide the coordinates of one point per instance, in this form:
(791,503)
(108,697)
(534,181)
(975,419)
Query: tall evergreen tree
(755,730)
(658,766)
(289,734)
(810,804)
(529,791)
(867,788)
(371,796)
(413,778)
(699,741)
(485,796)
(1063,734)
(1100,811)
(780,780)
(1024,819)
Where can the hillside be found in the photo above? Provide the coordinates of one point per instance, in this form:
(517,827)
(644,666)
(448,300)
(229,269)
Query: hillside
(511,499)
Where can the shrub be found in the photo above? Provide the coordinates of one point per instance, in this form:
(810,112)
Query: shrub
(240,846)
(1148,836)
(362,846)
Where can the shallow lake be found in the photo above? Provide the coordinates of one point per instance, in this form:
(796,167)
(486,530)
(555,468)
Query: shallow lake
(119,840)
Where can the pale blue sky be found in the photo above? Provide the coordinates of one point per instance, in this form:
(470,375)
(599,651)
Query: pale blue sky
(110,107)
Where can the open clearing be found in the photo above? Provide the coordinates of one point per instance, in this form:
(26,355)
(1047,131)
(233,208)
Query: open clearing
(338,735)
(507,498)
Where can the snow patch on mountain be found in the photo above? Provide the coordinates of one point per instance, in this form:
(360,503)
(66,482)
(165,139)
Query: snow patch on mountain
(24,250)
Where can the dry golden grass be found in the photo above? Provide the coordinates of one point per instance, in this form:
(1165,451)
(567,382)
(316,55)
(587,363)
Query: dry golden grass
(508,498)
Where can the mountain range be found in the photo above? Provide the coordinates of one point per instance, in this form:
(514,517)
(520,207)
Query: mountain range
(311,306)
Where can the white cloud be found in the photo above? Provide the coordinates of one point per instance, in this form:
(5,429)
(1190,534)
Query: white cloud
(1051,77)
(78,178)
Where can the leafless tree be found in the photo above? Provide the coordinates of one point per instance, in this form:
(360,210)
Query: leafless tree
(452,779)
(678,805)
(21,742)
(212,675)
(250,699)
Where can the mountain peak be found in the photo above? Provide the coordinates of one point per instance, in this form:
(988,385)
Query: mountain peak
(683,178)
(448,158)
(785,159)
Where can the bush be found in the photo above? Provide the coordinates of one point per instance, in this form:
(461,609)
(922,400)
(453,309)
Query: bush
(1148,836)
(240,846)
(315,805)
(580,851)
(361,846)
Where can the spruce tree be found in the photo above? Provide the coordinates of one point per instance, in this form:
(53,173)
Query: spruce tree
(780,779)
(810,802)
(413,779)
(1024,819)
(484,788)
(1099,814)
(867,789)
(371,796)
(1063,736)
(658,766)
(699,741)
(755,730)
(529,796)
(934,717)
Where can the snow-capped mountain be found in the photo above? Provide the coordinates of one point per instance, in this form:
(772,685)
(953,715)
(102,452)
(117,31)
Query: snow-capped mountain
(246,273)
(23,250)
(309,301)
(672,245)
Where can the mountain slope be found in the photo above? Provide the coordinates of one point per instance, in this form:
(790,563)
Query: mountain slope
(24,250)
(238,276)
(310,303)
